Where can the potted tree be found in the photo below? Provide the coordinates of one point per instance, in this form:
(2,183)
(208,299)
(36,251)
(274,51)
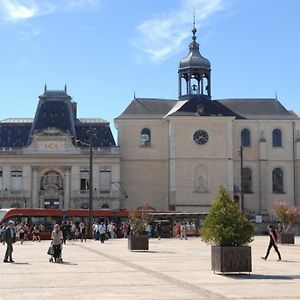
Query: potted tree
(229,232)
(287,216)
(138,219)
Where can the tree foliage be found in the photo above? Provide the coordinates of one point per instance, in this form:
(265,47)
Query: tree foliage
(138,219)
(285,214)
(225,225)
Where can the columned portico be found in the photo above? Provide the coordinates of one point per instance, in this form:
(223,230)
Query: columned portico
(35,188)
(67,188)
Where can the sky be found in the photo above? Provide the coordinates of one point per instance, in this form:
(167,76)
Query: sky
(108,50)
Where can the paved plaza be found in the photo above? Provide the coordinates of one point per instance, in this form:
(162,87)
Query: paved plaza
(172,269)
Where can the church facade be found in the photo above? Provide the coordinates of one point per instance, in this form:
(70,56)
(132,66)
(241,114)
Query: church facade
(176,153)
(171,154)
(44,161)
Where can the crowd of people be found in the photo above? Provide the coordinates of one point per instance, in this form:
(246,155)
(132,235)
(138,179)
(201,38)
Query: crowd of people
(26,232)
(102,230)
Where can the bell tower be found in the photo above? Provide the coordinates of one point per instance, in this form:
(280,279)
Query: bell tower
(194,72)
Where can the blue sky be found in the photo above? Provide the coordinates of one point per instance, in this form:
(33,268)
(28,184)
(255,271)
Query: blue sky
(105,50)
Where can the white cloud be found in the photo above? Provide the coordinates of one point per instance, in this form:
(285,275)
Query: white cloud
(13,10)
(162,36)
(18,10)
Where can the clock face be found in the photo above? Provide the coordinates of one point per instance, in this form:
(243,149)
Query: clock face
(200,137)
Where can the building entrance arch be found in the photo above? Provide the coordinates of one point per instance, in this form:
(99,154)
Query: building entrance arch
(51,189)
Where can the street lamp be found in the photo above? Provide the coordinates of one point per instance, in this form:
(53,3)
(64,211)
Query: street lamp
(91,134)
(90,221)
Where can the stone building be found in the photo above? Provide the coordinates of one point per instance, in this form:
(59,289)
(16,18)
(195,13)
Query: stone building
(176,153)
(44,162)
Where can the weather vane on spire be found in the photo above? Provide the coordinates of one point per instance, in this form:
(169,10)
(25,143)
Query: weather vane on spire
(194,30)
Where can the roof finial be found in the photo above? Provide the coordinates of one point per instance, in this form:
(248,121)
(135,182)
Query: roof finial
(194,30)
(45,88)
(65,87)
(276,95)
(134,95)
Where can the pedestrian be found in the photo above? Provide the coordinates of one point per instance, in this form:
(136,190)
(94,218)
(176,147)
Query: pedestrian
(9,237)
(125,230)
(82,229)
(158,230)
(102,231)
(148,229)
(64,232)
(272,243)
(111,229)
(21,230)
(57,240)
(36,233)
(183,230)
(177,230)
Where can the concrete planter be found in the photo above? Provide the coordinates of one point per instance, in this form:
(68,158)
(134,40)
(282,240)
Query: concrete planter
(227,259)
(287,238)
(138,242)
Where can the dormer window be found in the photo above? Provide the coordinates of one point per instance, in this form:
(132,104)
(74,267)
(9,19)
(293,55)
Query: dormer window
(145,139)
(200,109)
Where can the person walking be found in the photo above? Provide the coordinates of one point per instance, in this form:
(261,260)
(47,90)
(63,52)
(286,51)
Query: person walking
(183,230)
(57,240)
(111,229)
(272,243)
(9,237)
(102,231)
(158,230)
(82,229)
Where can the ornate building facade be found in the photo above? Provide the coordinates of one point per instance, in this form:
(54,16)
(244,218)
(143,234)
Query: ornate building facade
(44,162)
(176,153)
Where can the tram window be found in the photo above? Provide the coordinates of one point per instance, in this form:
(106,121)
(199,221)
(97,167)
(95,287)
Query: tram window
(37,220)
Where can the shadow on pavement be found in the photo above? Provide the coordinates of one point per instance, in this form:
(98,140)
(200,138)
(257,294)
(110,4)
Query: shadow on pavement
(263,277)
(68,263)
(151,251)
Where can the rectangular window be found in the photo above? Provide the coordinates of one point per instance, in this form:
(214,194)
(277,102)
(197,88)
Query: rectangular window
(16,181)
(84,181)
(105,181)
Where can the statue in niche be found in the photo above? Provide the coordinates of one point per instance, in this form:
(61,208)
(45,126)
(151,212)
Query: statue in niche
(200,184)
(262,136)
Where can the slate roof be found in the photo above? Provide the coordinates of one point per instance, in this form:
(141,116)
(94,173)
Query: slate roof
(147,108)
(262,109)
(14,134)
(268,108)
(202,105)
(54,111)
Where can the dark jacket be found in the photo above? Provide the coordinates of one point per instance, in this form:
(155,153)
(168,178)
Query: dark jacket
(6,236)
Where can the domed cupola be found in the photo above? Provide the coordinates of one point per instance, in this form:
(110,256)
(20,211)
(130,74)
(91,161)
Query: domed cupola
(194,72)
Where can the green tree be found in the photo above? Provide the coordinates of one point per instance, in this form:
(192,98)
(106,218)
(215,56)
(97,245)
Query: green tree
(225,225)
(286,215)
(139,218)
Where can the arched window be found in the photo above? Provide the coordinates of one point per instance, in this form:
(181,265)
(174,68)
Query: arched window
(276,138)
(247,180)
(277,180)
(145,137)
(245,138)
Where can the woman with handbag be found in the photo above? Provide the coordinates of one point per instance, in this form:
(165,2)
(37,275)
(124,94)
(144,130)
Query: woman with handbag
(57,239)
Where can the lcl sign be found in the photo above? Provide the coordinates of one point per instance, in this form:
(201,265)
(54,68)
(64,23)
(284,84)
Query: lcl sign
(51,146)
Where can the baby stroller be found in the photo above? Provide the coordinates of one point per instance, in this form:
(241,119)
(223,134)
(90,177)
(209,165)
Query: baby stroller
(55,252)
